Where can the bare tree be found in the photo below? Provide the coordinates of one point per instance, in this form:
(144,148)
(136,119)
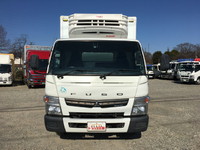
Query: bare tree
(186,50)
(18,46)
(197,51)
(4,43)
(148,57)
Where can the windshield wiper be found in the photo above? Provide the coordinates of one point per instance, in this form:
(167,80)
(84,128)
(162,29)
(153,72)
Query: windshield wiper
(75,70)
(103,76)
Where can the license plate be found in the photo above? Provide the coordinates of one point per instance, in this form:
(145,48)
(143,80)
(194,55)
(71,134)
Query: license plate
(96,126)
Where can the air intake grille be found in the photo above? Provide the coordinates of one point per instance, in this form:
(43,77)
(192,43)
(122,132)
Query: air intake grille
(184,76)
(96,115)
(84,125)
(99,103)
(98,23)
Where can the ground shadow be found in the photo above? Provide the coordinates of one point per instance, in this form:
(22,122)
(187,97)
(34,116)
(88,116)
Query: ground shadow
(99,136)
(184,83)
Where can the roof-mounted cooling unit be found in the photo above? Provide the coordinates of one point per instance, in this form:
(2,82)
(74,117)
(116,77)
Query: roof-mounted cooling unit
(98,26)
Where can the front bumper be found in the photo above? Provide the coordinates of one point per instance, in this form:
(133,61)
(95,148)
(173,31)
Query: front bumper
(33,82)
(189,80)
(62,124)
(5,82)
(151,75)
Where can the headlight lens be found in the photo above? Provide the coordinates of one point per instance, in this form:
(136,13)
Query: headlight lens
(52,105)
(140,106)
(10,78)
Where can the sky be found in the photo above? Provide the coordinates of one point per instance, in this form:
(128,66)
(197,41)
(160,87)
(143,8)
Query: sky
(161,24)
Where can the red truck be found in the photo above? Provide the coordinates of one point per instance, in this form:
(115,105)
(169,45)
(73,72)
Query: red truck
(34,75)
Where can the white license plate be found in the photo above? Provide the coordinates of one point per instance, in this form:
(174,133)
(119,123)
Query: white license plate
(96,126)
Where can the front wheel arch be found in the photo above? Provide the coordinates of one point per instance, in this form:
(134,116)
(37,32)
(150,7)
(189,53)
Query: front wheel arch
(198,81)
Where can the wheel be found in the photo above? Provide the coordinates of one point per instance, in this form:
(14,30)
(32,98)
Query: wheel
(198,81)
(30,86)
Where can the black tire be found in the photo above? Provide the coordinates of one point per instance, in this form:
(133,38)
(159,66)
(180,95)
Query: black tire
(198,81)
(29,86)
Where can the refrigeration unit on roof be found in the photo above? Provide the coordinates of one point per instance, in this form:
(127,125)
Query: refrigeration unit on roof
(98,26)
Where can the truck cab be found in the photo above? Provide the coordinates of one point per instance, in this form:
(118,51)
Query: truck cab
(190,73)
(96,80)
(150,71)
(180,71)
(6,69)
(35,72)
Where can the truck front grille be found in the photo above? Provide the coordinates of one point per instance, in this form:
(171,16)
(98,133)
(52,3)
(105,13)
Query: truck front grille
(95,115)
(184,76)
(98,103)
(3,79)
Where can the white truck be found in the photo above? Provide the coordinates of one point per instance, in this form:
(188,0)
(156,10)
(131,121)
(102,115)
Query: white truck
(180,71)
(150,71)
(6,69)
(190,72)
(96,80)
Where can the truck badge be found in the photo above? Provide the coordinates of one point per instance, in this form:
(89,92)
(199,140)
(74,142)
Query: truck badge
(63,90)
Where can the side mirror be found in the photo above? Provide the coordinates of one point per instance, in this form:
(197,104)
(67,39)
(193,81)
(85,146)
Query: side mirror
(34,62)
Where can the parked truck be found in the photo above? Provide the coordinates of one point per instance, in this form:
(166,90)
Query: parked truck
(35,76)
(150,71)
(6,69)
(182,62)
(190,72)
(97,81)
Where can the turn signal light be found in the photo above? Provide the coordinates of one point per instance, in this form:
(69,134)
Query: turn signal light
(46,99)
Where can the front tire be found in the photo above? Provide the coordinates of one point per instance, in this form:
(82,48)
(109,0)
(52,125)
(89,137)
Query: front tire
(198,81)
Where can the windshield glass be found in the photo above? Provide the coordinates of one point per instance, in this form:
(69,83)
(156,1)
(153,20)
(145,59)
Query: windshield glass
(96,58)
(197,68)
(172,66)
(43,63)
(4,68)
(149,68)
(186,67)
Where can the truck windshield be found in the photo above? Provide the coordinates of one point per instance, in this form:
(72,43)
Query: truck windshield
(97,58)
(186,67)
(4,68)
(197,68)
(172,66)
(43,63)
(149,68)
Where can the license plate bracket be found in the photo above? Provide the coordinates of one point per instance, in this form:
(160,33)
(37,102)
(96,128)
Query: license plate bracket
(94,126)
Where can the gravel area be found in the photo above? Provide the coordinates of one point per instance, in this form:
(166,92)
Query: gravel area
(174,113)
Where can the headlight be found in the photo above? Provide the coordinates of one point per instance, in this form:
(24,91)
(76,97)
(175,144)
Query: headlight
(10,78)
(52,105)
(140,106)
